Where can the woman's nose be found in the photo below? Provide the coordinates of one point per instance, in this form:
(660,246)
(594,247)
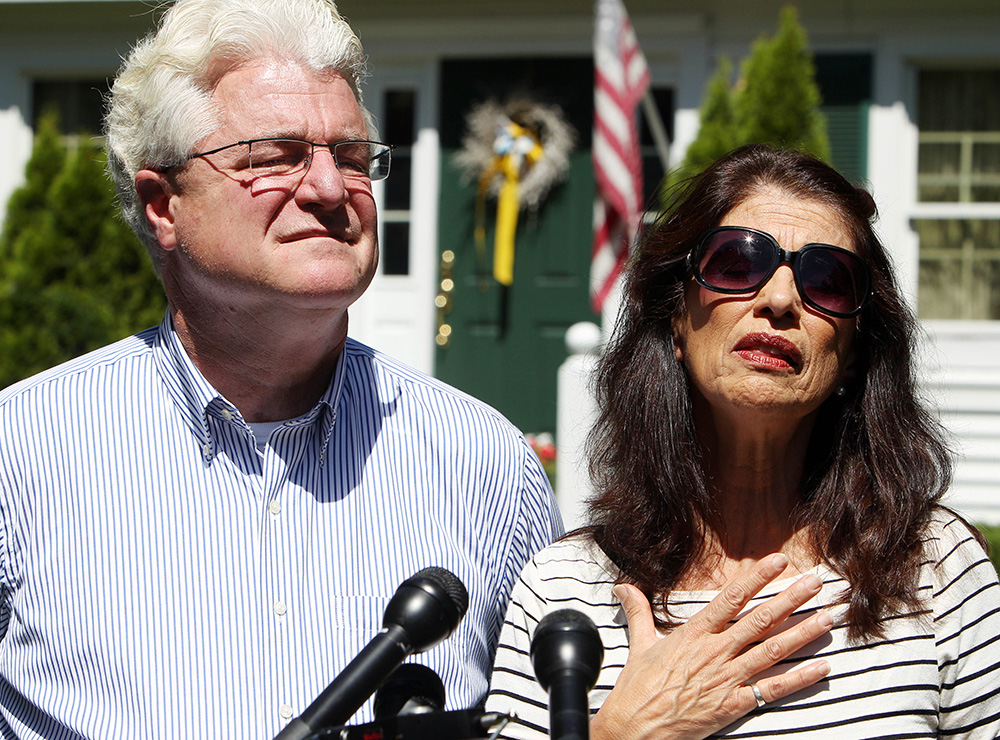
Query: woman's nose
(779,297)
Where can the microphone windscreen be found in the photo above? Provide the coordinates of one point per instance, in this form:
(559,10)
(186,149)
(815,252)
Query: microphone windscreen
(427,606)
(451,585)
(411,689)
(566,640)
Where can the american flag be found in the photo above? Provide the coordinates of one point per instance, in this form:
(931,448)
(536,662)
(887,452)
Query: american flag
(621,78)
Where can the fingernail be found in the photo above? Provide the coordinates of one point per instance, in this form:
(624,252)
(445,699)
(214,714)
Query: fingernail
(779,560)
(811,581)
(823,668)
(619,591)
(824,620)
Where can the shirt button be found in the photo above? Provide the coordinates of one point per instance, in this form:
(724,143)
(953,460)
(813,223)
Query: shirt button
(285,711)
(227,414)
(280,608)
(274,507)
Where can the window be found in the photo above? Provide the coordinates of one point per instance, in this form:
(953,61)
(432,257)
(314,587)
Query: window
(400,119)
(959,169)
(959,268)
(80,104)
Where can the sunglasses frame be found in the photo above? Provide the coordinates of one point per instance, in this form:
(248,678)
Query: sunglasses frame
(780,257)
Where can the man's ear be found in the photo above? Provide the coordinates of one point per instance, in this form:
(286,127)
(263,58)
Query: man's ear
(157,193)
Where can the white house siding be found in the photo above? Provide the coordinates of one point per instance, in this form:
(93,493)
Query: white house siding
(406,39)
(962,380)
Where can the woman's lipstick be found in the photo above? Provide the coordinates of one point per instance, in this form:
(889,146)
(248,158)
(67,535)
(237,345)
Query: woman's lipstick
(769,350)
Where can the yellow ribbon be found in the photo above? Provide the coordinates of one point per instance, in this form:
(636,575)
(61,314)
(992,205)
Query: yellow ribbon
(510,163)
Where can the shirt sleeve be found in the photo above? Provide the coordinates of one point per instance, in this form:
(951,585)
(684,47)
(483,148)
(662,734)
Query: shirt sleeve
(966,606)
(535,523)
(543,520)
(514,689)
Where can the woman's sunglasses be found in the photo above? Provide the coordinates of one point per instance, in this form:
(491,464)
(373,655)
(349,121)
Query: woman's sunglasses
(735,259)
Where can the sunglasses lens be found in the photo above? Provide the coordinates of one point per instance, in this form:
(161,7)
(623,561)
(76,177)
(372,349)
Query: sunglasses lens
(735,260)
(833,280)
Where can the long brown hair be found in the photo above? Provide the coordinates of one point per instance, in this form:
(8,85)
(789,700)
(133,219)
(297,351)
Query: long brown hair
(877,461)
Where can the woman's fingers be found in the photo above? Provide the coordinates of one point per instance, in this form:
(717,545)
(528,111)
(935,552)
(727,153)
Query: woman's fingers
(784,644)
(769,614)
(736,594)
(638,614)
(778,687)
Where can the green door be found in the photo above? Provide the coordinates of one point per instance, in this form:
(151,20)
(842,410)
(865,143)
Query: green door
(506,343)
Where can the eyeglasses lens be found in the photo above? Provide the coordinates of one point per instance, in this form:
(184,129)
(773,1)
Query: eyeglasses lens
(274,157)
(354,158)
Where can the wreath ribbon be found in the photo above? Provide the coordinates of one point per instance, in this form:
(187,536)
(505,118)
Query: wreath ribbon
(516,150)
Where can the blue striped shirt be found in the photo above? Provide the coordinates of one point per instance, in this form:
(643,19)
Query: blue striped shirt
(162,577)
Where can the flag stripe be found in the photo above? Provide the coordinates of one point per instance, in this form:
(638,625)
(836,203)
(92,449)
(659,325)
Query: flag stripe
(621,78)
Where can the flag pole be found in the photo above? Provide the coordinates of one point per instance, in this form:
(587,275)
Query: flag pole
(657,130)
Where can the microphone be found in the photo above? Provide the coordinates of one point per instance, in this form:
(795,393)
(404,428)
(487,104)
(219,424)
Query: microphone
(566,653)
(425,609)
(411,689)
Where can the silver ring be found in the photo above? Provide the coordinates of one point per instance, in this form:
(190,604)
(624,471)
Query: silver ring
(757,695)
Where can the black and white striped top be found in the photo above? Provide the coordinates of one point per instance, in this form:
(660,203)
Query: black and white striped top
(931,676)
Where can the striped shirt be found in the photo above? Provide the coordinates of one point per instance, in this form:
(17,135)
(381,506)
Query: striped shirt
(162,577)
(932,675)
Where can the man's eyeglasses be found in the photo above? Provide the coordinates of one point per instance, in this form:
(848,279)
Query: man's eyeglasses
(362,160)
(734,259)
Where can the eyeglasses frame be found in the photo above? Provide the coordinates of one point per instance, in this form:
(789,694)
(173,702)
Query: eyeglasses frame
(783,257)
(332,147)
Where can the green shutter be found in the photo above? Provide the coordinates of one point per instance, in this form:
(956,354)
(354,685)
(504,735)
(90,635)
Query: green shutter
(845,82)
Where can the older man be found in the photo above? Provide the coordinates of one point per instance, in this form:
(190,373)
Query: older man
(201,525)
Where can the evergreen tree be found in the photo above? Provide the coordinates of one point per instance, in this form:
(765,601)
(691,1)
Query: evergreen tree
(72,276)
(717,131)
(775,101)
(779,101)
(48,155)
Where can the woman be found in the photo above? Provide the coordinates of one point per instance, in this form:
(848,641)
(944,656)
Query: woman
(758,397)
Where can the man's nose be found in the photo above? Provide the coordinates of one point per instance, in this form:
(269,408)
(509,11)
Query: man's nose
(323,182)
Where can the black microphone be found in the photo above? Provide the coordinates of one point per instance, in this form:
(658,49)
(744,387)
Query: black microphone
(566,653)
(425,609)
(411,689)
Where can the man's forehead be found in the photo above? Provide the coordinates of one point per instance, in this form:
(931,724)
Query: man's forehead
(272,97)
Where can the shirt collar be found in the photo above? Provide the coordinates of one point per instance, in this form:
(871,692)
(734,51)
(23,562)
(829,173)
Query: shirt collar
(197,400)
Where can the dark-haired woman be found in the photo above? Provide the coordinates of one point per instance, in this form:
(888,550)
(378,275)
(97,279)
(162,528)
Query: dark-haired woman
(758,419)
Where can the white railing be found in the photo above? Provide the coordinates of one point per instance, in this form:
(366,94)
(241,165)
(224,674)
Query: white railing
(575,416)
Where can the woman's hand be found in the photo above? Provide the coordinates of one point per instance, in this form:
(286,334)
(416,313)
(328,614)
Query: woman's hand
(694,681)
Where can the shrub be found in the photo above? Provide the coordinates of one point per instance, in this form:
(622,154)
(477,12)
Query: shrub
(73,277)
(775,101)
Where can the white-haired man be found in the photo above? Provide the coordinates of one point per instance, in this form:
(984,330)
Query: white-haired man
(201,525)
